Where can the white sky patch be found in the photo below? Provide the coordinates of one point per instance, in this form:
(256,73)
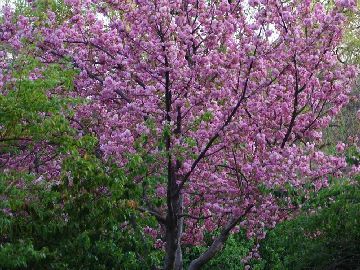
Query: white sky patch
(102,17)
(250,13)
(7,2)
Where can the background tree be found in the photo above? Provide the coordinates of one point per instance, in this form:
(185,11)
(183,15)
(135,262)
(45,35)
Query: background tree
(62,207)
(324,236)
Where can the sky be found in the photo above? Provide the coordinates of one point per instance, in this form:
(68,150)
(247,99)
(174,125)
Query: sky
(4,2)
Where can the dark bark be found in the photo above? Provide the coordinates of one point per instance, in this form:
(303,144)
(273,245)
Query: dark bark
(171,223)
(178,255)
(171,246)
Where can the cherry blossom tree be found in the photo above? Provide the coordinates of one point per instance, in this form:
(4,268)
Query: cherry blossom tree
(217,104)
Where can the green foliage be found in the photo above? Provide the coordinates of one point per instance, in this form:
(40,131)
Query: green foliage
(86,221)
(236,248)
(29,112)
(84,218)
(39,8)
(349,52)
(325,236)
(353,156)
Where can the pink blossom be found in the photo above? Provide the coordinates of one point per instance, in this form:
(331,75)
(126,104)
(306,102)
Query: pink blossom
(211,107)
(340,147)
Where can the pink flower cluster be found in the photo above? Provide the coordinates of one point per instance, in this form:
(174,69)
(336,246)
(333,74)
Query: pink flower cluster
(234,101)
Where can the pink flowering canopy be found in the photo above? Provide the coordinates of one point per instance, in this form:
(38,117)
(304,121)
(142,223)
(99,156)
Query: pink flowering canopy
(222,102)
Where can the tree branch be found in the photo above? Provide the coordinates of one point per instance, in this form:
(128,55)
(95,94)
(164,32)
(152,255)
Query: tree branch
(158,216)
(218,243)
(217,134)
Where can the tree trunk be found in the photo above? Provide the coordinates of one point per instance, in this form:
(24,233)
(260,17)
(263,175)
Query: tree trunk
(172,237)
(174,230)
(178,255)
(170,246)
(178,258)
